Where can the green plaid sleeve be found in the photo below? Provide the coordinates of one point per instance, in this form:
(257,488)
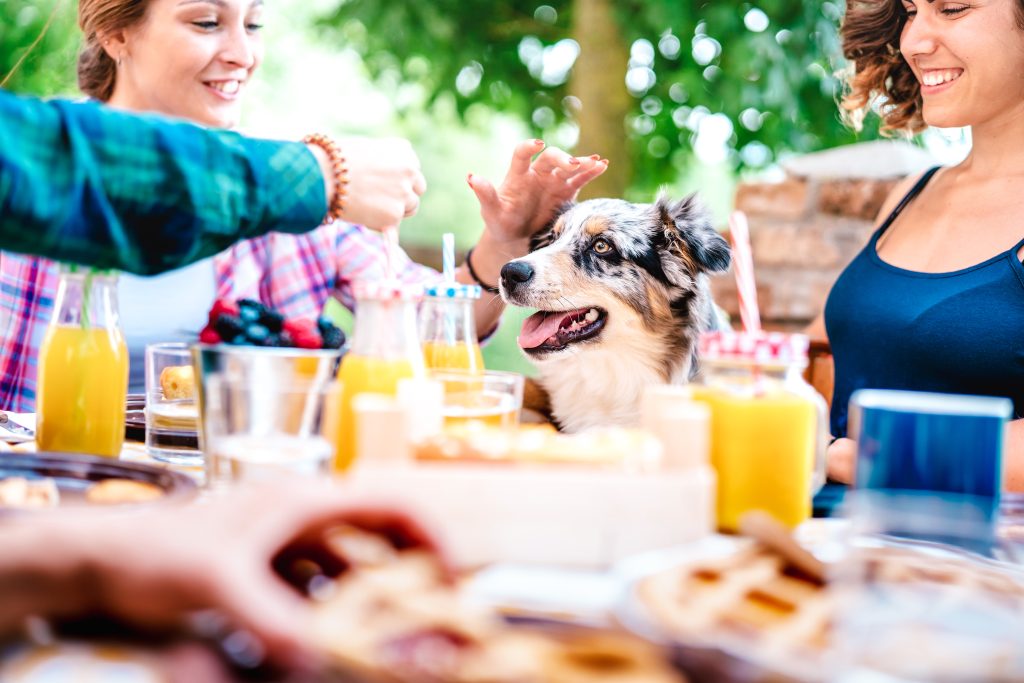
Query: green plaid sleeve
(79,182)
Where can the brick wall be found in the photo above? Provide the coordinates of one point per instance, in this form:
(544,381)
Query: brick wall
(806,228)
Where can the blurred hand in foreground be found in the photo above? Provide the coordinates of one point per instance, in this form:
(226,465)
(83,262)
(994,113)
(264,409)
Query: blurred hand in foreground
(206,569)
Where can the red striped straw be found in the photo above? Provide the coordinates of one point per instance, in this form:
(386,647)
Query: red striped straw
(743,267)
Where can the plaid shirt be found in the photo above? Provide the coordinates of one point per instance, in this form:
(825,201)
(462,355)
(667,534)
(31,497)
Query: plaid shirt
(293,273)
(82,183)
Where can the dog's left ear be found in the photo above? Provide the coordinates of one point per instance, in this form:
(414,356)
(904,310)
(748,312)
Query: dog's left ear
(690,236)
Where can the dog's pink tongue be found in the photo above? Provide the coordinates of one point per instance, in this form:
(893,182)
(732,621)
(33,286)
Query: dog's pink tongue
(537,328)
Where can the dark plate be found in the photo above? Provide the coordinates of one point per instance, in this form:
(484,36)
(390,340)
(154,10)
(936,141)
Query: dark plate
(135,426)
(74,474)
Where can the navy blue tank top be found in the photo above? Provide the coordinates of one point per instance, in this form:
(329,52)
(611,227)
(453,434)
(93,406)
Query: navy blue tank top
(959,333)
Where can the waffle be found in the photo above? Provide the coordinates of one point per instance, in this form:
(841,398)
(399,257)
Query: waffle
(395,619)
(756,605)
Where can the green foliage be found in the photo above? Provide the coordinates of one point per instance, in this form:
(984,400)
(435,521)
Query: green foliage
(775,85)
(49,68)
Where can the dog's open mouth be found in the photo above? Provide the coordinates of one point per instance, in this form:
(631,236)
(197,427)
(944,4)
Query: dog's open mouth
(555,330)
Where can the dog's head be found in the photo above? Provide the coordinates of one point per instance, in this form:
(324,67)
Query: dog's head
(607,266)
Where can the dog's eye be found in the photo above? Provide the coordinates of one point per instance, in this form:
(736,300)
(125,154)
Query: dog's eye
(601,247)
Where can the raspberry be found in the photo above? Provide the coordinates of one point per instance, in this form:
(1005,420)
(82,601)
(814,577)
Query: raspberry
(209,336)
(222,307)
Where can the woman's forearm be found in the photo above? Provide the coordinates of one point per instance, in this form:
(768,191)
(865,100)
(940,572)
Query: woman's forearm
(1013,457)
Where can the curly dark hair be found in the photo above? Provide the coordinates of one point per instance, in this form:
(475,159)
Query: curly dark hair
(877,73)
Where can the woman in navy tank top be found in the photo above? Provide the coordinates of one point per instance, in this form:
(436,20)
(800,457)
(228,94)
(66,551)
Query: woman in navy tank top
(935,301)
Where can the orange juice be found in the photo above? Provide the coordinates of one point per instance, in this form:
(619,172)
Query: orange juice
(83,380)
(466,355)
(484,408)
(361,374)
(763,449)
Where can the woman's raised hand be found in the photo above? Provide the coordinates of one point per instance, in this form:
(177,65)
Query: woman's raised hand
(533,191)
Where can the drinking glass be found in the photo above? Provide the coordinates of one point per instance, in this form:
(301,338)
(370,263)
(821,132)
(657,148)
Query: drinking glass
(255,431)
(493,399)
(172,415)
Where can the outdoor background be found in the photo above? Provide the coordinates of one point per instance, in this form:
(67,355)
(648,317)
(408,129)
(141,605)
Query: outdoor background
(680,96)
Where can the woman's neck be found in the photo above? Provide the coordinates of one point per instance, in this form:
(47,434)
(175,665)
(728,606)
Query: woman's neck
(996,146)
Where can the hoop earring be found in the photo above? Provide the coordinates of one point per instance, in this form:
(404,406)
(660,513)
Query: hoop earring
(120,58)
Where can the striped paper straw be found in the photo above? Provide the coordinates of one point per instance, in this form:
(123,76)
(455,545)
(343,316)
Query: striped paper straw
(743,267)
(448,256)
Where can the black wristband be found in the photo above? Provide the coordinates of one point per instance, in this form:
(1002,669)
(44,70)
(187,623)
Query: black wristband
(476,278)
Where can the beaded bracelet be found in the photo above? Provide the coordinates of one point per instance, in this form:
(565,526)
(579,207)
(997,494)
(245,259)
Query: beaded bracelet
(339,168)
(476,278)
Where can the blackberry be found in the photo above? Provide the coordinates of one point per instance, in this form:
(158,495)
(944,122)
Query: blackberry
(250,311)
(229,326)
(257,334)
(323,324)
(333,338)
(272,320)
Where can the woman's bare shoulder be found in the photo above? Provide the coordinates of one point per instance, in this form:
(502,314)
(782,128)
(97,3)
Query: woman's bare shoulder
(896,194)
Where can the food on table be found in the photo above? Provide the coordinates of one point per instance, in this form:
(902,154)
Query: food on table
(542,444)
(122,491)
(252,323)
(758,604)
(178,382)
(393,618)
(19,492)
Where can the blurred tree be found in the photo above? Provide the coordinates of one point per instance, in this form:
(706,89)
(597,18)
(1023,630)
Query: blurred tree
(647,83)
(49,64)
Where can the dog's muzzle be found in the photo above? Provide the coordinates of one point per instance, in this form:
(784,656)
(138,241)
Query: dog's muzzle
(516,275)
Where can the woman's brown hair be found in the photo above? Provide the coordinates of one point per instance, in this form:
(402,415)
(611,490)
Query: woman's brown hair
(877,74)
(97,71)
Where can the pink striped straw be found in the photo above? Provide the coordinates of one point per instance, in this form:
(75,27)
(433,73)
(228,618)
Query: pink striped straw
(743,267)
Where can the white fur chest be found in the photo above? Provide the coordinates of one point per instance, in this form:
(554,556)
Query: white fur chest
(601,387)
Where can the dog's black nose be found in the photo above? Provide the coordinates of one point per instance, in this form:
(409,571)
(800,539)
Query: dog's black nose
(516,273)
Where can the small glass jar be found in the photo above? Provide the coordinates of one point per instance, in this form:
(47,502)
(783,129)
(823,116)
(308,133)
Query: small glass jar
(385,349)
(448,328)
(768,426)
(83,368)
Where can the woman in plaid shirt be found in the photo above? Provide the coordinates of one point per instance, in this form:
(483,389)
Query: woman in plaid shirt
(193,60)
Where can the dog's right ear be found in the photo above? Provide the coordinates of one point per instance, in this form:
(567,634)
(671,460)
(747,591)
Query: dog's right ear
(547,234)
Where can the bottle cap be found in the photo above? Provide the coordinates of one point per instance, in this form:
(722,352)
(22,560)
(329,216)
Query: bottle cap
(387,290)
(775,348)
(453,290)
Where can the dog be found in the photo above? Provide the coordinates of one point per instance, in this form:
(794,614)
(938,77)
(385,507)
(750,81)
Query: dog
(623,296)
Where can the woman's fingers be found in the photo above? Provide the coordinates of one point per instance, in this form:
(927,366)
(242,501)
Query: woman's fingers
(577,181)
(552,158)
(522,156)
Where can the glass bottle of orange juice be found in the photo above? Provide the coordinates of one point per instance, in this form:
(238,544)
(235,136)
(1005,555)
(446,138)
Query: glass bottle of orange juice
(385,349)
(448,328)
(768,428)
(83,368)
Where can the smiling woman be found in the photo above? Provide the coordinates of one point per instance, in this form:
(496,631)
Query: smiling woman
(935,300)
(216,46)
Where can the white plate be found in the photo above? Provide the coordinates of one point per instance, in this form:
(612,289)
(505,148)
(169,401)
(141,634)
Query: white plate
(27,420)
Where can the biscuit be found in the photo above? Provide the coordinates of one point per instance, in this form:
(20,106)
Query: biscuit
(121,491)
(178,382)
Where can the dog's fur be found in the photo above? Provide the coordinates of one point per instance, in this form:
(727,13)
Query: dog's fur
(651,288)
